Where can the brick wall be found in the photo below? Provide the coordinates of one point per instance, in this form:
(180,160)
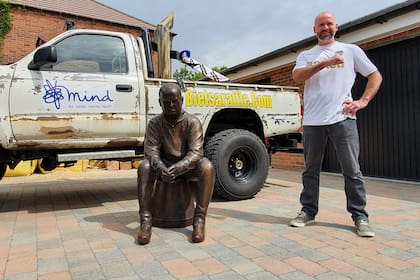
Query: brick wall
(28,24)
(287,160)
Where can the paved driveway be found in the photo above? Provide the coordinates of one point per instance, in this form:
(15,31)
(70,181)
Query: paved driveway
(70,225)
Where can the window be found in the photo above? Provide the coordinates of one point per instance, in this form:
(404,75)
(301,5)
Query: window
(89,53)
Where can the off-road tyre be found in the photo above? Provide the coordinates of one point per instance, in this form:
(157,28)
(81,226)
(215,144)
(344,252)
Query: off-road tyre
(241,163)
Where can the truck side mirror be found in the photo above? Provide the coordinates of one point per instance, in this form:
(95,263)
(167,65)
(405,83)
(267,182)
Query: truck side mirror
(43,56)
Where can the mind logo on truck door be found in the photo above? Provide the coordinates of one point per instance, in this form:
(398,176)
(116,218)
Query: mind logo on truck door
(60,95)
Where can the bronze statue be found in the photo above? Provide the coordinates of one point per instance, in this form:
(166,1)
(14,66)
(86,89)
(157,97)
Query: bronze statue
(173,149)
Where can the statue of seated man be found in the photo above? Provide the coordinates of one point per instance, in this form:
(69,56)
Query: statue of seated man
(173,148)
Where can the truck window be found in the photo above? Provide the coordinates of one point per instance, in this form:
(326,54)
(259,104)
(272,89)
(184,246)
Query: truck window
(89,53)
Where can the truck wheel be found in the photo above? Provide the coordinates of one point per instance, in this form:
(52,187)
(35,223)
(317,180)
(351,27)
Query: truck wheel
(241,162)
(3,167)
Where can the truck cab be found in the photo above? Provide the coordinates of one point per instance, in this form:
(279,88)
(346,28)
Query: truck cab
(83,90)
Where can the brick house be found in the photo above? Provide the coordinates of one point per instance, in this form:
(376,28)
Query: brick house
(389,128)
(37,21)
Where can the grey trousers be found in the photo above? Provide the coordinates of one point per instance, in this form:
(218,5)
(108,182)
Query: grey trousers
(345,139)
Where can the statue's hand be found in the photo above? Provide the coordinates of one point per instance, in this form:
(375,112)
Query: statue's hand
(166,176)
(177,169)
(170,174)
(161,169)
(155,162)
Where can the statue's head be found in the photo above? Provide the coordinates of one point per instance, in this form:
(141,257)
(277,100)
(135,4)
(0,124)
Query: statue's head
(170,99)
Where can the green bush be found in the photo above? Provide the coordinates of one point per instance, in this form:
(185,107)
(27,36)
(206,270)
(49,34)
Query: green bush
(5,20)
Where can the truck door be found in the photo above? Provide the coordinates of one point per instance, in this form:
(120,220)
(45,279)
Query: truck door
(90,95)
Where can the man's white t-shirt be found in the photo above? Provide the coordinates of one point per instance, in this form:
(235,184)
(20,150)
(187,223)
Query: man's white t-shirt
(326,91)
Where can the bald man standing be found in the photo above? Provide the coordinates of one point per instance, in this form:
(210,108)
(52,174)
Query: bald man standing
(329,71)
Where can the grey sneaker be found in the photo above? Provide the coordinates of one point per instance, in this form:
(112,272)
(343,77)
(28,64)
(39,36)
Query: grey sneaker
(302,220)
(363,229)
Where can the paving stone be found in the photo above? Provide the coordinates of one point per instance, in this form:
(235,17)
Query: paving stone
(71,225)
(50,265)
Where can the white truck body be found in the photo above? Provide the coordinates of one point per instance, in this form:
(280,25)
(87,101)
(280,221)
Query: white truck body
(96,100)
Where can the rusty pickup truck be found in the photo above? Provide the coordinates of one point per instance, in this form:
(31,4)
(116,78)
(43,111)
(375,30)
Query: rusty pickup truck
(86,94)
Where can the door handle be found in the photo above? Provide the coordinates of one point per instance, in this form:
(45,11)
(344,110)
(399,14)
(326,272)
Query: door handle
(124,88)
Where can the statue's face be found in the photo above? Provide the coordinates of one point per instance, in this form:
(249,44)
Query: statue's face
(171,102)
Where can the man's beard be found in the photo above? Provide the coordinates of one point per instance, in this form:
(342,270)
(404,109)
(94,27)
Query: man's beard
(330,36)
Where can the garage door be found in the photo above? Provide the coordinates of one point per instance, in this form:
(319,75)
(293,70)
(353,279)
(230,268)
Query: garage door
(390,126)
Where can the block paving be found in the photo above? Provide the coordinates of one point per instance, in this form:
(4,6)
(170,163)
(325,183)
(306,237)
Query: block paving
(83,225)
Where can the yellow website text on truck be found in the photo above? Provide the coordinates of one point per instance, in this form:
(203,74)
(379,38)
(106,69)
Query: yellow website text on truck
(195,98)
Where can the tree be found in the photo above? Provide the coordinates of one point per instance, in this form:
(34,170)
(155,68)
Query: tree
(5,20)
(191,75)
(185,74)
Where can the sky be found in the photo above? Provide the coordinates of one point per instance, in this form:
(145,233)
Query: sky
(230,32)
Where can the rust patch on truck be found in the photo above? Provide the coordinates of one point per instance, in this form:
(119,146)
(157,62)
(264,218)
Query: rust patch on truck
(110,117)
(123,142)
(53,118)
(60,132)
(28,145)
(135,116)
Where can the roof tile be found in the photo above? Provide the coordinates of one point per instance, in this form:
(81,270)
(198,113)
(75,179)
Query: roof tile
(85,8)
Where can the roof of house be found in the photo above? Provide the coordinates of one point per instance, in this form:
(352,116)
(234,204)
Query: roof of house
(374,18)
(85,8)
